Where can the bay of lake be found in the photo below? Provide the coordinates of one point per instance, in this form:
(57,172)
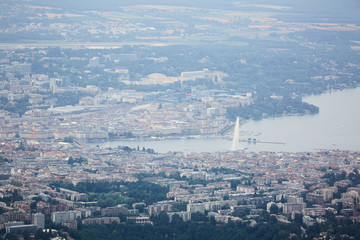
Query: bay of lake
(336,126)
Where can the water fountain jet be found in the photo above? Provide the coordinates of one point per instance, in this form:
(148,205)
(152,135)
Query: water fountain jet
(235,144)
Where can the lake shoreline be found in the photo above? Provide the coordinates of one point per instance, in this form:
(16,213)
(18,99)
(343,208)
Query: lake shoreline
(304,133)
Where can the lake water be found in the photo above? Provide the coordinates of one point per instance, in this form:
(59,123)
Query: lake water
(337,126)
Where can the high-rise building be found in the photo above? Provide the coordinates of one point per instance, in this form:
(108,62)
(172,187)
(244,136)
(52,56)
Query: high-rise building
(53,86)
(38,220)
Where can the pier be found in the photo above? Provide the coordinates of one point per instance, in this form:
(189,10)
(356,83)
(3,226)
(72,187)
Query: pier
(259,141)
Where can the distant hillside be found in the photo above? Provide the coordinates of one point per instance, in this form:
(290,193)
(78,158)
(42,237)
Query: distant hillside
(301,10)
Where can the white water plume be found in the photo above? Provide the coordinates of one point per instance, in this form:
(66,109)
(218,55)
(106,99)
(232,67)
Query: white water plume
(236,138)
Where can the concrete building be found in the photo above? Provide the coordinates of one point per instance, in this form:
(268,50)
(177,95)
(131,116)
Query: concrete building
(219,185)
(316,198)
(293,207)
(114,211)
(38,220)
(70,224)
(241,208)
(101,221)
(245,189)
(327,194)
(294,199)
(214,206)
(14,223)
(59,217)
(53,85)
(21,229)
(314,212)
(142,220)
(195,207)
(157,208)
(186,216)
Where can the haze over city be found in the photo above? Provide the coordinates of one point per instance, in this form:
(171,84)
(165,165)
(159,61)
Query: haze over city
(179,120)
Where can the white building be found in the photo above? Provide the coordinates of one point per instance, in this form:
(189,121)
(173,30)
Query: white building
(38,220)
(247,190)
(195,207)
(59,217)
(293,207)
(142,220)
(294,199)
(186,216)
